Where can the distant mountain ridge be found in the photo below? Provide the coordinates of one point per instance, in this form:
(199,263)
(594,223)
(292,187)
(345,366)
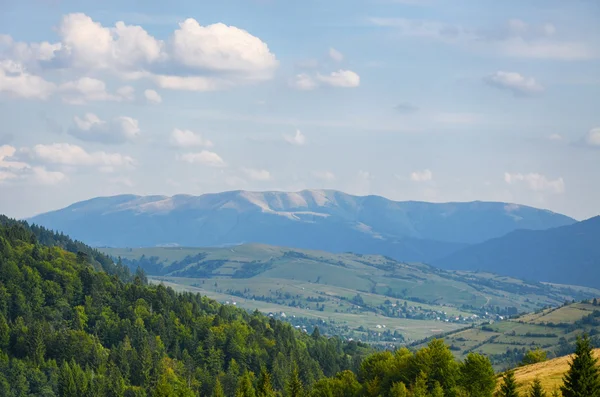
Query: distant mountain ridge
(312,219)
(568,255)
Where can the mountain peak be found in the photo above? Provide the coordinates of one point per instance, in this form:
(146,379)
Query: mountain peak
(316,219)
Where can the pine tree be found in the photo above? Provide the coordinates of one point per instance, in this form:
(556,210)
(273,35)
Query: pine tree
(245,387)
(218,389)
(477,376)
(536,389)
(66,383)
(509,385)
(264,388)
(294,385)
(398,390)
(583,377)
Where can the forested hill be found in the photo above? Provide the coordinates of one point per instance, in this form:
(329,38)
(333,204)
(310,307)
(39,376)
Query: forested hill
(69,330)
(50,238)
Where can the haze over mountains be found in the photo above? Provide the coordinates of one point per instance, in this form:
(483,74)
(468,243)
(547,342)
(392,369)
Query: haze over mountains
(313,219)
(566,255)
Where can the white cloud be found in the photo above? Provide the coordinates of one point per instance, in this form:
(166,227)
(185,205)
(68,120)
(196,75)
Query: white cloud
(119,130)
(73,155)
(187,138)
(421,176)
(592,138)
(326,176)
(198,58)
(17,82)
(204,157)
(6,152)
(336,55)
(88,44)
(304,82)
(88,89)
(44,177)
(126,92)
(536,182)
(257,175)
(516,83)
(341,78)
(298,139)
(152,97)
(190,83)
(220,47)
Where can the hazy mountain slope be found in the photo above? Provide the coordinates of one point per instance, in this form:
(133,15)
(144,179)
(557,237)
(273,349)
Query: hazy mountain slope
(568,254)
(324,219)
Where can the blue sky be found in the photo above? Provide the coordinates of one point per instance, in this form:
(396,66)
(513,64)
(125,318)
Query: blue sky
(431,100)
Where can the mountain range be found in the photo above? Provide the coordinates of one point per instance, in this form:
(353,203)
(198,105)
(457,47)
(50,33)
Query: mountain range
(311,219)
(567,255)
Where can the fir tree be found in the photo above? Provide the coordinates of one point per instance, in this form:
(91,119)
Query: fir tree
(294,387)
(264,388)
(509,385)
(536,389)
(218,389)
(583,377)
(66,383)
(245,387)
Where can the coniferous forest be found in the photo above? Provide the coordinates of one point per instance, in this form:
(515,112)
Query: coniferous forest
(73,323)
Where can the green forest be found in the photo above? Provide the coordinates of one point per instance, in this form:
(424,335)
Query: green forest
(73,323)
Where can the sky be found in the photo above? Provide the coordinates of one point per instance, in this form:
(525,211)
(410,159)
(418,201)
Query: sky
(431,100)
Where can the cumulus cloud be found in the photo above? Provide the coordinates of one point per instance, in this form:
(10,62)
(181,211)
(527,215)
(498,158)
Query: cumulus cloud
(421,176)
(326,176)
(516,83)
(87,89)
(304,82)
(118,130)
(341,78)
(257,175)
(592,138)
(336,55)
(298,139)
(187,138)
(45,177)
(152,97)
(73,155)
(126,93)
(7,160)
(195,57)
(18,171)
(204,157)
(16,81)
(536,182)
(220,47)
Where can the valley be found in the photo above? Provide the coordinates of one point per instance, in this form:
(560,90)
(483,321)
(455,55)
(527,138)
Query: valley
(351,295)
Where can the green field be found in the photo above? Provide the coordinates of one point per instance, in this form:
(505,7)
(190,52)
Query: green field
(350,294)
(552,330)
